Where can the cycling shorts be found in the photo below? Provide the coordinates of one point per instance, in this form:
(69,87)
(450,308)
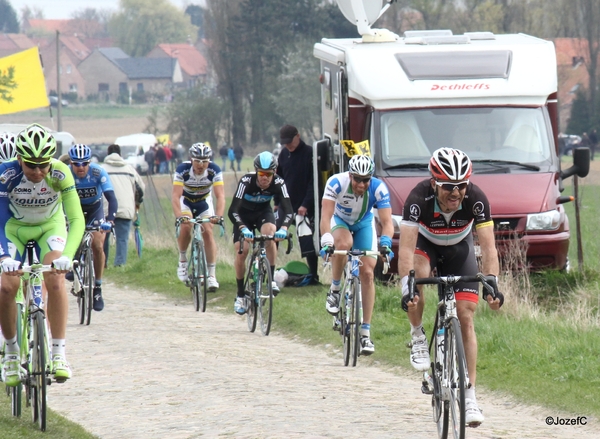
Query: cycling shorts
(49,236)
(254,220)
(364,235)
(458,260)
(198,209)
(93,213)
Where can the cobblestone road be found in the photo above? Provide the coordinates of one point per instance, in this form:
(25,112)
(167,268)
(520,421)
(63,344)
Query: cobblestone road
(150,368)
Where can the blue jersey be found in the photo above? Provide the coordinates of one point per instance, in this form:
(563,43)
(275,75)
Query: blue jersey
(351,208)
(91,187)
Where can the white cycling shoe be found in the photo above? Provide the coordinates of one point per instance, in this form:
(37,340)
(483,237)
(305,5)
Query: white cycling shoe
(473,414)
(182,271)
(212,284)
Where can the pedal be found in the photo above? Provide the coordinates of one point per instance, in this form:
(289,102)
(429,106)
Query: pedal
(337,325)
(425,388)
(474,424)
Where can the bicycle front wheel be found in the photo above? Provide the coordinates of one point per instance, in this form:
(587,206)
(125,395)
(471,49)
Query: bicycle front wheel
(37,371)
(265,295)
(455,365)
(344,323)
(355,322)
(16,393)
(203,274)
(88,281)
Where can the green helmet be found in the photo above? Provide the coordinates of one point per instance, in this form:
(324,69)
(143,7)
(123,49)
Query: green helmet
(34,142)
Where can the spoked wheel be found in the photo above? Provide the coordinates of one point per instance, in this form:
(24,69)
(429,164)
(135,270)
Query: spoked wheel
(203,275)
(16,392)
(265,292)
(457,379)
(88,281)
(250,289)
(194,278)
(78,271)
(37,372)
(344,324)
(355,322)
(440,409)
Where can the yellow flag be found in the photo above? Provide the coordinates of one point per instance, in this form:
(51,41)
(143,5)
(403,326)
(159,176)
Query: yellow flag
(22,85)
(360,148)
(164,139)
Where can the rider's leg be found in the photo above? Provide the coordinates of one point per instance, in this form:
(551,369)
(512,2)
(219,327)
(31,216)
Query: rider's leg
(58,305)
(98,251)
(8,307)
(367,287)
(271,249)
(466,311)
(209,247)
(239,264)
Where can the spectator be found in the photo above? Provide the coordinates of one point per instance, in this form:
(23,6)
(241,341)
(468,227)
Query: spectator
(149,158)
(223,152)
(129,189)
(174,161)
(231,157)
(238,152)
(164,166)
(160,159)
(295,167)
(593,143)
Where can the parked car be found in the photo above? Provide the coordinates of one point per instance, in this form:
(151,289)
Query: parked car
(566,143)
(54,101)
(99,151)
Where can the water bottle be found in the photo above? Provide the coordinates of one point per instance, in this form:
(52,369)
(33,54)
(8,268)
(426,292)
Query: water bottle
(37,296)
(440,343)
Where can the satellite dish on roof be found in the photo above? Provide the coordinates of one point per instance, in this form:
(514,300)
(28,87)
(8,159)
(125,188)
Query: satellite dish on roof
(363,13)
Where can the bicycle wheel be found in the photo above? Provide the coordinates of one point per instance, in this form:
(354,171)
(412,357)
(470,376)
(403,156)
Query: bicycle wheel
(345,326)
(88,280)
(456,370)
(355,322)
(202,274)
(265,294)
(250,289)
(16,393)
(37,370)
(194,278)
(78,275)
(437,400)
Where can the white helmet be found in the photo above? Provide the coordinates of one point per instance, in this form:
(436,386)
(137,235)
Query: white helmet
(450,164)
(8,147)
(361,165)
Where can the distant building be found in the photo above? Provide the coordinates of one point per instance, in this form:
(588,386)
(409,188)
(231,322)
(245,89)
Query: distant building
(13,43)
(192,62)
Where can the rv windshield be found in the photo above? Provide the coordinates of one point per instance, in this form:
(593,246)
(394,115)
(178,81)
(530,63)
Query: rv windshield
(492,137)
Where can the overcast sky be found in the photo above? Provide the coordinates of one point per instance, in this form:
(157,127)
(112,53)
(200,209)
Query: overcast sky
(65,8)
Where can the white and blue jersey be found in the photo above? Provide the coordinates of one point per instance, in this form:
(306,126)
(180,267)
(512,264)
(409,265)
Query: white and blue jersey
(90,189)
(349,207)
(197,188)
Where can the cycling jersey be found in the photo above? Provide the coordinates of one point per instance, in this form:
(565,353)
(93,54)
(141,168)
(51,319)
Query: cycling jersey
(197,187)
(90,190)
(441,228)
(353,209)
(249,198)
(26,204)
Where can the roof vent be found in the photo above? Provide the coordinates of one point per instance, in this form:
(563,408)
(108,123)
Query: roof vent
(480,35)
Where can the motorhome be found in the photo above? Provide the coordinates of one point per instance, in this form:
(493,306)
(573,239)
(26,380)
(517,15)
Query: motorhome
(133,148)
(64,140)
(492,96)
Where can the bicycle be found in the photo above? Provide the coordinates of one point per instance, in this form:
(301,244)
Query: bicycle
(197,267)
(258,283)
(84,277)
(33,340)
(349,319)
(448,378)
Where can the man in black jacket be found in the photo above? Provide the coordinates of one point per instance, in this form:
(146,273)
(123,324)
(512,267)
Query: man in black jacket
(295,167)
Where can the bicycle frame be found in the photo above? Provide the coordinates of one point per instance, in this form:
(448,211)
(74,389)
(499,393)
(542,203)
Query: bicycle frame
(84,276)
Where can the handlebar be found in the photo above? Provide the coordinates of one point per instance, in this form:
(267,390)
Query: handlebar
(185,219)
(36,268)
(489,283)
(264,238)
(358,253)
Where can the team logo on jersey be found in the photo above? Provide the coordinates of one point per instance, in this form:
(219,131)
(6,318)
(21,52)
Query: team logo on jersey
(415,212)
(96,172)
(103,180)
(6,175)
(478,209)
(59,175)
(245,179)
(56,243)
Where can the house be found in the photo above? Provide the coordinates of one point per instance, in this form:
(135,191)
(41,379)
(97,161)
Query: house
(110,72)
(192,62)
(13,43)
(72,53)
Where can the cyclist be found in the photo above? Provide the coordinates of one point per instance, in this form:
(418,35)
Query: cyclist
(347,222)
(8,148)
(34,190)
(92,181)
(438,218)
(251,209)
(191,198)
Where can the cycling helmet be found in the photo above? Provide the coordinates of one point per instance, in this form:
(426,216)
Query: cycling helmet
(80,153)
(34,142)
(361,165)
(265,161)
(450,164)
(8,148)
(200,151)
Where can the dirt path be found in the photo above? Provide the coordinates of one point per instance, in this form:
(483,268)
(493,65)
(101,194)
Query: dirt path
(150,368)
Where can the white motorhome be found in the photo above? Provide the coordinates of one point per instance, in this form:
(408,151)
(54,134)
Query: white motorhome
(492,96)
(133,148)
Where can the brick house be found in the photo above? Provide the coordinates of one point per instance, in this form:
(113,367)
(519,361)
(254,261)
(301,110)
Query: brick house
(192,62)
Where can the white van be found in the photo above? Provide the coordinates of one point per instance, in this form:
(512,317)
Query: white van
(64,140)
(133,148)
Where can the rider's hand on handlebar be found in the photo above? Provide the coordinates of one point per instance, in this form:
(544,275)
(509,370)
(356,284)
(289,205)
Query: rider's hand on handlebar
(498,301)
(62,264)
(385,243)
(10,266)
(407,303)
(280,234)
(246,233)
(216,220)
(105,227)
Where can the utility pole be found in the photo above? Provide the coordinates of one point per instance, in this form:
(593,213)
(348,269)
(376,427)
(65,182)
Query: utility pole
(58,94)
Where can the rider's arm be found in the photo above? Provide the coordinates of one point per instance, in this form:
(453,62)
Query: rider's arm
(176,197)
(285,207)
(489,254)
(219,193)
(327,209)
(72,208)
(236,202)
(4,217)
(387,225)
(113,205)
(409,232)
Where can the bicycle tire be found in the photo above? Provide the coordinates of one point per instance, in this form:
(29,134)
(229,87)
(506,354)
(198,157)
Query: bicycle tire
(455,365)
(437,400)
(344,326)
(89,281)
(16,393)
(37,371)
(250,289)
(203,275)
(265,295)
(193,281)
(355,322)
(78,271)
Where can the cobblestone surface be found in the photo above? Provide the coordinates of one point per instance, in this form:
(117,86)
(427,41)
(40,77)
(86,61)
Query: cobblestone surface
(150,368)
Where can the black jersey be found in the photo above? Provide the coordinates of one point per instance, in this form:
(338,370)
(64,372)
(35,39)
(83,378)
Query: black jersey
(251,198)
(441,228)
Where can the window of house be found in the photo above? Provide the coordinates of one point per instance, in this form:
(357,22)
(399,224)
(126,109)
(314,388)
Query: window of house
(73,88)
(122,88)
(140,86)
(68,69)
(102,87)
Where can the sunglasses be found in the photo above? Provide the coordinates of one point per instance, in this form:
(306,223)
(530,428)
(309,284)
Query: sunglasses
(264,173)
(361,179)
(32,165)
(201,160)
(80,164)
(450,187)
